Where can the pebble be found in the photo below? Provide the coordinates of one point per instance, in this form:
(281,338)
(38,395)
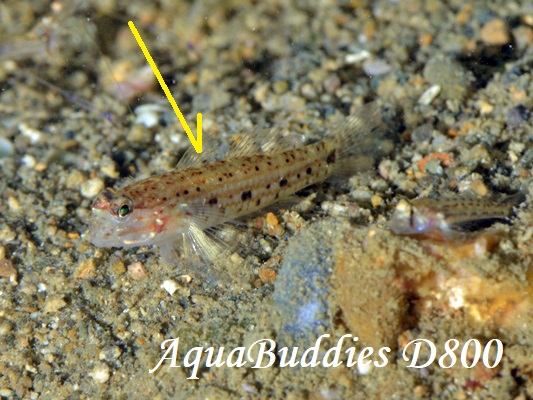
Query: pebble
(484,107)
(148,116)
(110,353)
(356,58)
(137,271)
(364,368)
(377,68)
(100,374)
(433,167)
(29,161)
(267,275)
(54,304)
(6,148)
(280,87)
(517,116)
(13,204)
(118,267)
(75,179)
(139,132)
(308,91)
(376,201)
(454,80)
(523,36)
(85,269)
(495,33)
(7,270)
(332,83)
(475,186)
(170,286)
(92,187)
(33,134)
(429,95)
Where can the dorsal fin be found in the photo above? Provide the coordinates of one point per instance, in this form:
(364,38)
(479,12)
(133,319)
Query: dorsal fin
(258,141)
(213,149)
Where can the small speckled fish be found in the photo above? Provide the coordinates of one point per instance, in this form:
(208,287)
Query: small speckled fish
(180,210)
(448,215)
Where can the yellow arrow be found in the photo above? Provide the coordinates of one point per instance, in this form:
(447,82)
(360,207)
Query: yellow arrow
(196,142)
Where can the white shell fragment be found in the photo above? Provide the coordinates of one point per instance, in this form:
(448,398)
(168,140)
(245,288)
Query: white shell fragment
(149,114)
(356,58)
(170,286)
(429,95)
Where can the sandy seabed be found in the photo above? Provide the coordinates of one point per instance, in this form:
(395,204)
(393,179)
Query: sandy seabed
(454,82)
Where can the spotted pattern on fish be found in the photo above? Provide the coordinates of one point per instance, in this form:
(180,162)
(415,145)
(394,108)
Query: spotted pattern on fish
(185,204)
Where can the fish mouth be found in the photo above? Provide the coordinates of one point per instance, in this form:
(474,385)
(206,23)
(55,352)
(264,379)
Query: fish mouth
(105,231)
(137,236)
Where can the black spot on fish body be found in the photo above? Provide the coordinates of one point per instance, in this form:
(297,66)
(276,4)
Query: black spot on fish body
(246,195)
(331,157)
(283,182)
(213,201)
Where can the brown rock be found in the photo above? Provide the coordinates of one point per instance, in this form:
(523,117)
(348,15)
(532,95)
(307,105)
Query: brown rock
(7,269)
(369,294)
(495,33)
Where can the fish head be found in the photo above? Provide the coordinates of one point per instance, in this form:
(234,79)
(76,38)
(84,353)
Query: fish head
(116,221)
(409,220)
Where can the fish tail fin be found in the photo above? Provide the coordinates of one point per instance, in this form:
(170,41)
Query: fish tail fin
(513,201)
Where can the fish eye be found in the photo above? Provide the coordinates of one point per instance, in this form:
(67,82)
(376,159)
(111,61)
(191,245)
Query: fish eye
(125,208)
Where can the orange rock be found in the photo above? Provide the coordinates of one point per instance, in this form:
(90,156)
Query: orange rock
(426,39)
(445,158)
(267,275)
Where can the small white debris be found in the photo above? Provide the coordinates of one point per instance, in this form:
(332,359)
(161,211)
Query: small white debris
(170,286)
(149,114)
(484,107)
(358,57)
(429,95)
(31,369)
(32,133)
(100,374)
(92,187)
(364,368)
(29,161)
(376,67)
(13,204)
